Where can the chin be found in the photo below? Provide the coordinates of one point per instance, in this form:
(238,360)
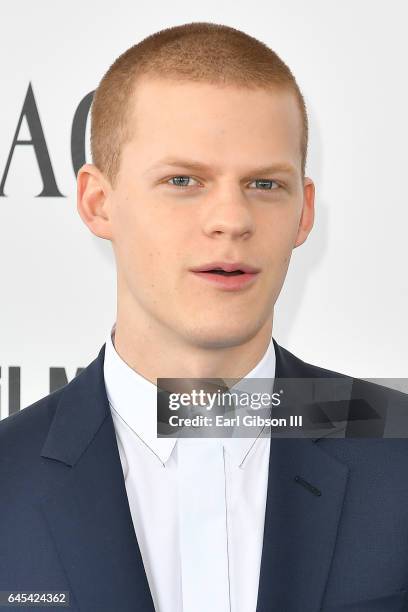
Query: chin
(220,335)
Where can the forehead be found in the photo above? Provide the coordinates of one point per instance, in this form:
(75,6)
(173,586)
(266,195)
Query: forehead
(225,122)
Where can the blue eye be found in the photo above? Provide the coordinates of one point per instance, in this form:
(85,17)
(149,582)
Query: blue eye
(181,181)
(265,184)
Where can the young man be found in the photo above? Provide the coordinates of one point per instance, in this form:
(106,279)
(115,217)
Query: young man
(199,139)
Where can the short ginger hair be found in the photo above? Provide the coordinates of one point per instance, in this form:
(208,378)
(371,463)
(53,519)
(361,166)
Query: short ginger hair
(199,51)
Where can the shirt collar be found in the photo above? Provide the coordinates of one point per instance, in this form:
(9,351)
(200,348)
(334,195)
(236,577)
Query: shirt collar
(134,398)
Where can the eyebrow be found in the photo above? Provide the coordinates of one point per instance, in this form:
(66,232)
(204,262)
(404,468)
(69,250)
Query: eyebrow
(192,164)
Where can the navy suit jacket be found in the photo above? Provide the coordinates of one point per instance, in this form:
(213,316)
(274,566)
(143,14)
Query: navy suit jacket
(65,522)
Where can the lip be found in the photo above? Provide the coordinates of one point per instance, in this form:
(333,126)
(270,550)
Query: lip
(227,267)
(228,283)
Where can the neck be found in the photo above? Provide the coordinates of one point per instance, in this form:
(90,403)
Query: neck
(155,351)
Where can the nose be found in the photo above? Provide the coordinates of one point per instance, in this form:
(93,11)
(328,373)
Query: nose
(227,212)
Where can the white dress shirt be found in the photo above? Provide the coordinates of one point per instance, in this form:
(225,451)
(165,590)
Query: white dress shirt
(197,505)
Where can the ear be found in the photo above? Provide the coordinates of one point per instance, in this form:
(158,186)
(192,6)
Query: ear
(93,191)
(307,218)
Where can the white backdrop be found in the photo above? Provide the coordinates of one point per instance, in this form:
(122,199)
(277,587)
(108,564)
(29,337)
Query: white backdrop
(345,301)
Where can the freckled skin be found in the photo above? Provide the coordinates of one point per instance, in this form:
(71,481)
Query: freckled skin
(170,323)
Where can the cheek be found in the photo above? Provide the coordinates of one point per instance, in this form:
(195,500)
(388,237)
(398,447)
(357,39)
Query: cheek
(133,234)
(278,239)
(284,229)
(146,256)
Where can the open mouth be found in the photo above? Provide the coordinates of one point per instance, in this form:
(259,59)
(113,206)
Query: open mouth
(221,278)
(224,273)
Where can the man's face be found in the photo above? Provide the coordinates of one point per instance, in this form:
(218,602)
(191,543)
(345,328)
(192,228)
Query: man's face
(162,226)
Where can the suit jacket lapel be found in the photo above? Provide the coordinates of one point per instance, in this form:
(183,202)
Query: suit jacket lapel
(86,508)
(300,525)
